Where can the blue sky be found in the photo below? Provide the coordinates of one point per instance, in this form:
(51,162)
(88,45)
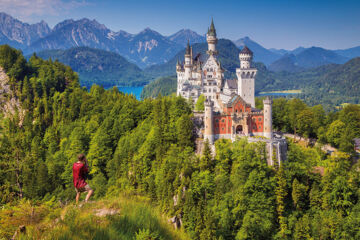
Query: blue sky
(274,24)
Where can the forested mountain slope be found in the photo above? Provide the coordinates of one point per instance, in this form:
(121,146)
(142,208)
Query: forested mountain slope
(99,67)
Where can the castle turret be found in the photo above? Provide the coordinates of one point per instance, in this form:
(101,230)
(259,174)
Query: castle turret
(246,76)
(209,128)
(211,39)
(188,61)
(178,66)
(268,118)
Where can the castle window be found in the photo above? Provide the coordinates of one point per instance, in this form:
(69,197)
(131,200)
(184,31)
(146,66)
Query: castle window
(223,120)
(254,127)
(259,119)
(236,110)
(217,120)
(223,129)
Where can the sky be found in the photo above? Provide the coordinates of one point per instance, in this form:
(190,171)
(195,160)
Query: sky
(287,24)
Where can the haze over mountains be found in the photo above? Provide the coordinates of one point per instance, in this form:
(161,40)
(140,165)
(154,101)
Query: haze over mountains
(149,47)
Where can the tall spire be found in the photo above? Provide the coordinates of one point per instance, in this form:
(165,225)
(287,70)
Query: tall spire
(212,30)
(188,48)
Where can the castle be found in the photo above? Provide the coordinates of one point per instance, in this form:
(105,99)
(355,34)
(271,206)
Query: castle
(230,103)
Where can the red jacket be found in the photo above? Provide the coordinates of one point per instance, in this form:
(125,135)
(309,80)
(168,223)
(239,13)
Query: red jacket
(79,173)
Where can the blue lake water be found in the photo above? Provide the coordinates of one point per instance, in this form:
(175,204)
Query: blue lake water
(136,91)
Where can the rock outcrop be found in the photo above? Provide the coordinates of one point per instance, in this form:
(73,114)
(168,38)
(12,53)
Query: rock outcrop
(9,103)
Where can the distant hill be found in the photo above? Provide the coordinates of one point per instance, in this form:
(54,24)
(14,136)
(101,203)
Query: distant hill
(261,54)
(162,85)
(309,58)
(286,63)
(182,37)
(349,53)
(341,79)
(98,66)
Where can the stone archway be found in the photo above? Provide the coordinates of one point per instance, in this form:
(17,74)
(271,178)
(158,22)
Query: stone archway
(239,130)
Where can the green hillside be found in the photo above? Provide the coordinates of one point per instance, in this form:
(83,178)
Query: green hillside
(162,85)
(99,67)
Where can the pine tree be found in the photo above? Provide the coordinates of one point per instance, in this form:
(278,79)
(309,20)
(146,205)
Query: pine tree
(281,193)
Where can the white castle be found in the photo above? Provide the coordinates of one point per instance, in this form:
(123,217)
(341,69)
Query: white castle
(195,78)
(230,103)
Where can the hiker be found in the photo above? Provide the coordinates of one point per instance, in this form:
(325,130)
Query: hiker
(80,169)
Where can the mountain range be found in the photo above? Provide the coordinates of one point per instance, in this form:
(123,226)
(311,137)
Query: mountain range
(148,47)
(261,54)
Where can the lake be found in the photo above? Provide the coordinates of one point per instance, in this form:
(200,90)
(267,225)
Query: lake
(136,91)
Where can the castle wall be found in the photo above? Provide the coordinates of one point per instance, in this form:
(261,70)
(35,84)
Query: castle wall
(222,124)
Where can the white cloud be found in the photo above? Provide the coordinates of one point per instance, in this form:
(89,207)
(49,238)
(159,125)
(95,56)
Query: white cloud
(25,9)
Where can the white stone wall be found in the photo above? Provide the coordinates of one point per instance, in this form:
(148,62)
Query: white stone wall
(246,86)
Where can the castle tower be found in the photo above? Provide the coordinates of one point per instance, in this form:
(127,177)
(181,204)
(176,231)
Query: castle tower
(209,128)
(268,118)
(246,76)
(188,61)
(179,78)
(211,39)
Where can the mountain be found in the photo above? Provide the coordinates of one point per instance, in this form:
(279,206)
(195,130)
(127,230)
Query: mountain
(99,67)
(285,63)
(71,33)
(309,58)
(228,56)
(341,79)
(145,48)
(261,54)
(19,34)
(315,56)
(349,53)
(297,50)
(279,51)
(182,37)
(149,47)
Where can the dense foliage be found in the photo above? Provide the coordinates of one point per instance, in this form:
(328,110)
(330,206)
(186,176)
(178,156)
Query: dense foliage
(162,85)
(339,128)
(99,67)
(147,147)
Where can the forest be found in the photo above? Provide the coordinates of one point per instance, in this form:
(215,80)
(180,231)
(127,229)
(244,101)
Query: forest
(146,149)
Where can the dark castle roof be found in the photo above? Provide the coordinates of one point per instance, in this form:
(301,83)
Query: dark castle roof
(188,48)
(212,30)
(246,50)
